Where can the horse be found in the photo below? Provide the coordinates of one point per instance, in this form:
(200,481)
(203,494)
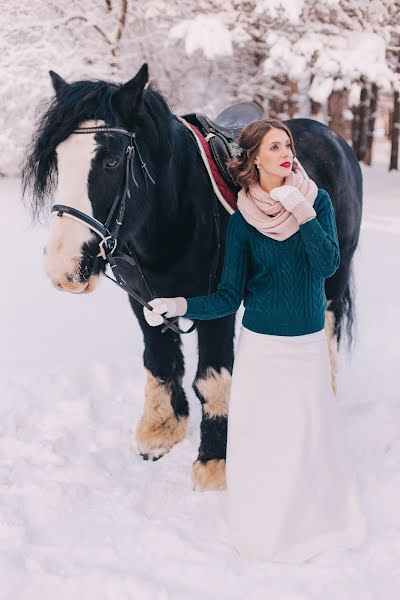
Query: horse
(169,228)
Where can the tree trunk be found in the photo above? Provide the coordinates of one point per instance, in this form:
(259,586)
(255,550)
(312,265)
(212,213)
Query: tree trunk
(394,154)
(362,129)
(315,107)
(388,123)
(355,127)
(337,111)
(293,106)
(371,123)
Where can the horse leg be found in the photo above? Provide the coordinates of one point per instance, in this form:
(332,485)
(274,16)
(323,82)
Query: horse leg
(212,387)
(165,414)
(340,310)
(332,346)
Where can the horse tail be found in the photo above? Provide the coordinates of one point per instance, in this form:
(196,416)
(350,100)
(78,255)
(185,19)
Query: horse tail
(343,309)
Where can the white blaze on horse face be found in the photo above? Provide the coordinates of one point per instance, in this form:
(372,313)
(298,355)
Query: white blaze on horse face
(63,252)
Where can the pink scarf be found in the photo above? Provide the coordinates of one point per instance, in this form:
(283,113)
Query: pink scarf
(268,215)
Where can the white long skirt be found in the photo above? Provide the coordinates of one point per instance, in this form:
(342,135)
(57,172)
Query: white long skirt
(290,490)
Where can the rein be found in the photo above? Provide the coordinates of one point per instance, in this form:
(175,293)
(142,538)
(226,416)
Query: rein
(109,235)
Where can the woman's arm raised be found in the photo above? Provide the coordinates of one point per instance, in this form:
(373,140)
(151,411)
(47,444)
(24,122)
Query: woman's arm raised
(320,237)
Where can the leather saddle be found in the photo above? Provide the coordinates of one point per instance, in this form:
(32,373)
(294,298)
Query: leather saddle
(222,133)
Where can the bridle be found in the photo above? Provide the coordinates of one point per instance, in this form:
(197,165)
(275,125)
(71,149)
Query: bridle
(108,232)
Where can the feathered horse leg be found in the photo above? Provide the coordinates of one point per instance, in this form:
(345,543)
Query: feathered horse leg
(212,387)
(165,413)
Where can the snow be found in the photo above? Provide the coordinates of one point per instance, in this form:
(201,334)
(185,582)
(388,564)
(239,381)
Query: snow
(337,61)
(291,9)
(321,89)
(217,42)
(203,55)
(82,513)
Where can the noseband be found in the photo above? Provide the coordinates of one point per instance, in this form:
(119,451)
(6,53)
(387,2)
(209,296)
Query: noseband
(109,235)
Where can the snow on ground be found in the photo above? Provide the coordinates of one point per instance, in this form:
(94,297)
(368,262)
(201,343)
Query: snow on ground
(82,513)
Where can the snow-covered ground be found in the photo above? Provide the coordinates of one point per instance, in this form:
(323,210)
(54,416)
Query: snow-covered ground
(82,514)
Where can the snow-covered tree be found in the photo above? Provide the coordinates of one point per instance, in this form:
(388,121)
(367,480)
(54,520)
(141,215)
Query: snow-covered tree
(295,57)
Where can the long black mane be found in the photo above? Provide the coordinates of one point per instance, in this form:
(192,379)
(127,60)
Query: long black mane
(77,102)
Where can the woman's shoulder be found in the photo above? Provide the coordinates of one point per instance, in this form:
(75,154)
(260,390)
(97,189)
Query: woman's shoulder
(323,194)
(323,198)
(237,220)
(238,224)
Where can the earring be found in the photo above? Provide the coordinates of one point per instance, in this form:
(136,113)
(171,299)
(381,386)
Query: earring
(257,166)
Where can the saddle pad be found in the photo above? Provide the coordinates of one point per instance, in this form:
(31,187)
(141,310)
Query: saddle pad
(225,195)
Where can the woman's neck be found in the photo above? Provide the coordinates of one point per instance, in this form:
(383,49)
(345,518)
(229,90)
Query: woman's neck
(268,181)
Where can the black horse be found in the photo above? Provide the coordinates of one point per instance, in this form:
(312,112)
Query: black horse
(169,224)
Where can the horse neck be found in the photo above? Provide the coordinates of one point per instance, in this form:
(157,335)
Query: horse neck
(179,199)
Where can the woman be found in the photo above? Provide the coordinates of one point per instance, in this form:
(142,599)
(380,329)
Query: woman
(290,491)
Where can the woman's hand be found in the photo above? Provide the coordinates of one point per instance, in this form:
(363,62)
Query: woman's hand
(294,201)
(297,176)
(168,307)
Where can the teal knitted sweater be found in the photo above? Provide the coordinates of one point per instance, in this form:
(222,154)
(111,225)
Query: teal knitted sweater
(280,282)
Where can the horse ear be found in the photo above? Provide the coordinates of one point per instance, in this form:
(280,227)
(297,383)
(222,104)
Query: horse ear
(57,81)
(127,101)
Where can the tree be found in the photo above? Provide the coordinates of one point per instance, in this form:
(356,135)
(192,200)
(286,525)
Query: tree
(394,52)
(295,59)
(371,123)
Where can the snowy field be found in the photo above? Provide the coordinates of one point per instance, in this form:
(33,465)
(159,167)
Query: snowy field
(82,515)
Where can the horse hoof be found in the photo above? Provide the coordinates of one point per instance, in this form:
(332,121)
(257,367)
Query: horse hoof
(155,441)
(155,455)
(209,475)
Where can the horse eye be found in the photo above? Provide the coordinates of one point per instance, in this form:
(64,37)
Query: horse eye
(110,163)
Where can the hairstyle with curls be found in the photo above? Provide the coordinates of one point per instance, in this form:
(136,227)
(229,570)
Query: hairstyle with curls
(242,169)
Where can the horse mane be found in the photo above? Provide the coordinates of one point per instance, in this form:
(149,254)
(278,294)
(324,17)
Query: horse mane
(77,102)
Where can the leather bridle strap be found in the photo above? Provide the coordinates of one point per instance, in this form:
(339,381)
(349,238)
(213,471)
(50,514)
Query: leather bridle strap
(90,222)
(109,239)
(105,129)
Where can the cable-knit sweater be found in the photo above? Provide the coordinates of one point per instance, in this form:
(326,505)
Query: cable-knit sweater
(280,282)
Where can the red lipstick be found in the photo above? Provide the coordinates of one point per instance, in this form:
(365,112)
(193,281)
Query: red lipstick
(285,164)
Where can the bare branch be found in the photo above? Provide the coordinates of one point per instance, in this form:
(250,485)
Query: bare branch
(120,30)
(122,20)
(107,39)
(75,17)
(96,27)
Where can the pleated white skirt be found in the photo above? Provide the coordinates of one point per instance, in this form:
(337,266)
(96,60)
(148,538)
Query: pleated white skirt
(291,493)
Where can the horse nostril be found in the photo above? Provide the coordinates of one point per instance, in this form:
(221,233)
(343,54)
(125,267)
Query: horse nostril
(45,251)
(69,277)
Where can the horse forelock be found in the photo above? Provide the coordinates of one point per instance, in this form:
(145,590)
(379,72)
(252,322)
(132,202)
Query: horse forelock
(77,102)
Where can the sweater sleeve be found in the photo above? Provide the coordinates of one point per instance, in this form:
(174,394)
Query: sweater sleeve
(320,237)
(229,294)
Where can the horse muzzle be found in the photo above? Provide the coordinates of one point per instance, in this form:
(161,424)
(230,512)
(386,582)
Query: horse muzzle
(66,274)
(68,284)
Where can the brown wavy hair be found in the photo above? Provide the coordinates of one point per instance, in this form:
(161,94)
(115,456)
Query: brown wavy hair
(242,169)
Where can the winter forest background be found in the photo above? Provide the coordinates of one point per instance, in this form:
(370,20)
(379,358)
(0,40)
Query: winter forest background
(334,60)
(81,514)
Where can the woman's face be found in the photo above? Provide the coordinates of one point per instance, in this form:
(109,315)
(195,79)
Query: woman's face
(275,155)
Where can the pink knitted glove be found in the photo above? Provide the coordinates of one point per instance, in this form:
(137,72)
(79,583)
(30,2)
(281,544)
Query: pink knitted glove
(293,201)
(169,307)
(297,176)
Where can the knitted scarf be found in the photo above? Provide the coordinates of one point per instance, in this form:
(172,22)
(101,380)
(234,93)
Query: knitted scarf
(268,215)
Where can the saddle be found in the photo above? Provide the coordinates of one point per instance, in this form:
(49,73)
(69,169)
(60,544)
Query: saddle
(222,133)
